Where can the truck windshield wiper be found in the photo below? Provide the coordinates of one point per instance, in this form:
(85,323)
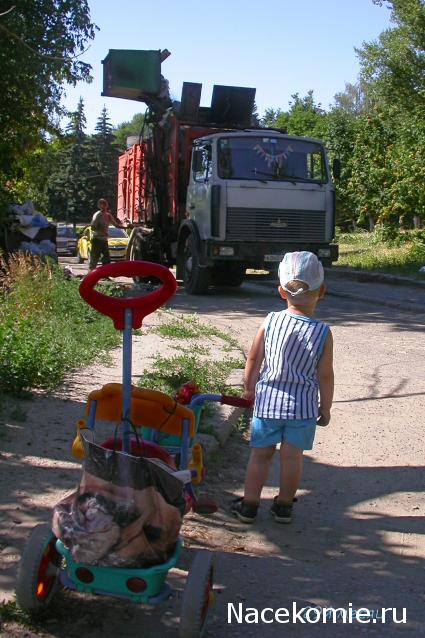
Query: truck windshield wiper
(275,178)
(258,179)
(298,179)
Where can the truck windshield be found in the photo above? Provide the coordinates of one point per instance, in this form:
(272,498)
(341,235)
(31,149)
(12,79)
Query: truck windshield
(271,158)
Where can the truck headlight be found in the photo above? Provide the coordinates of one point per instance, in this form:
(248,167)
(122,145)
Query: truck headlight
(324,252)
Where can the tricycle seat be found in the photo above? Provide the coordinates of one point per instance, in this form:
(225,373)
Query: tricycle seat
(149,408)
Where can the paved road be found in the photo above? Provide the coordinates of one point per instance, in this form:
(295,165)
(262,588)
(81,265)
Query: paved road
(397,293)
(357,539)
(358,533)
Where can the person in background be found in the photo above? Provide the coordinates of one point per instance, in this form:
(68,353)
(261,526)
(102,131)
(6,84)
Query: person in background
(294,390)
(100,223)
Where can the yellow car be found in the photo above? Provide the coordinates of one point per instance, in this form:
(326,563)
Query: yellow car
(117,242)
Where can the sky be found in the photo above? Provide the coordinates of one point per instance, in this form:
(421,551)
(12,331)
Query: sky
(279,47)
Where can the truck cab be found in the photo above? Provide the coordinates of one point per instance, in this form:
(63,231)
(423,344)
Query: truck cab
(252,196)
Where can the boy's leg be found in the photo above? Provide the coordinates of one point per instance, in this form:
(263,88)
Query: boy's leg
(257,472)
(291,467)
(245,508)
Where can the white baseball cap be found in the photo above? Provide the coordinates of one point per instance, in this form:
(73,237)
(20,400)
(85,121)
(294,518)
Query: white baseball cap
(301,266)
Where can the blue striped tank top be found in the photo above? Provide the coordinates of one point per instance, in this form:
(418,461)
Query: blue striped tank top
(288,385)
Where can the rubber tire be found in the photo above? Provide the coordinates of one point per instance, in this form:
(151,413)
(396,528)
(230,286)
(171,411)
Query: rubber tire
(229,274)
(138,252)
(196,280)
(199,584)
(27,578)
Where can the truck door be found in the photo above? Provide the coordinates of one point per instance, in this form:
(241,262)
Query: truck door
(199,190)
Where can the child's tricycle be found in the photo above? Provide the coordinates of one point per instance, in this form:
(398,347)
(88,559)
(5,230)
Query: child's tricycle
(118,534)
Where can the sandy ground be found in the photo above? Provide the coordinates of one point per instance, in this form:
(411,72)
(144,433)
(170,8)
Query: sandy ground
(357,536)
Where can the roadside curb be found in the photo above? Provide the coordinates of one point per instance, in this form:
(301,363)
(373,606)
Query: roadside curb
(408,307)
(380,278)
(221,422)
(364,275)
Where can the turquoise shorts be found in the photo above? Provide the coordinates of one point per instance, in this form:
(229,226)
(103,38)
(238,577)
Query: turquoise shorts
(298,432)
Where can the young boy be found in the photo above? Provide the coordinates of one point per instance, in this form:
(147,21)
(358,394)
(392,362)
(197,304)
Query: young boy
(297,351)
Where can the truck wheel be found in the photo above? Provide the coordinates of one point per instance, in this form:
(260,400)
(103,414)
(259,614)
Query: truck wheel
(38,572)
(196,279)
(229,274)
(198,596)
(142,250)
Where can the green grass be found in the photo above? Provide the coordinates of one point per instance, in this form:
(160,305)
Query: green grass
(10,612)
(45,327)
(193,363)
(242,423)
(167,374)
(190,327)
(400,253)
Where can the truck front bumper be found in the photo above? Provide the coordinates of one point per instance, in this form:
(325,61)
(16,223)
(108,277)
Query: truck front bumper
(263,256)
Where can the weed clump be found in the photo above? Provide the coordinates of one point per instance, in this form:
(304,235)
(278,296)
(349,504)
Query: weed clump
(45,326)
(169,373)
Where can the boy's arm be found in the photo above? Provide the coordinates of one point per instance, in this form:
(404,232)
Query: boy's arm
(253,364)
(325,375)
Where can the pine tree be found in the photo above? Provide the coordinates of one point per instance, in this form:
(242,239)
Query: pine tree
(72,192)
(103,157)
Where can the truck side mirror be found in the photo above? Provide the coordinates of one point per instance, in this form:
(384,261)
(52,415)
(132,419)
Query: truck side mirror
(197,160)
(336,168)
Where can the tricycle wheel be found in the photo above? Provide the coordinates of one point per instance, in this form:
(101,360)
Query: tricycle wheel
(38,572)
(197,596)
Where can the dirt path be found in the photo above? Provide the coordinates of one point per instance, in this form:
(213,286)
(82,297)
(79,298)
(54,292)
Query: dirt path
(357,537)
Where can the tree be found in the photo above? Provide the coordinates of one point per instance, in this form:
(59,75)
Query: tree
(304,117)
(352,100)
(40,42)
(103,157)
(70,189)
(371,177)
(270,118)
(394,66)
(340,137)
(388,170)
(129,129)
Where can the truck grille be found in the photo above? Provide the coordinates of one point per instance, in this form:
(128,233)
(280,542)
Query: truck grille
(276,225)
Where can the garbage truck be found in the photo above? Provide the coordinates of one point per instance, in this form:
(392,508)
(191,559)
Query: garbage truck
(206,190)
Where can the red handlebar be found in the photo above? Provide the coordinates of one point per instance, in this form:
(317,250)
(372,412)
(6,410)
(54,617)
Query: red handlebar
(237,402)
(114,307)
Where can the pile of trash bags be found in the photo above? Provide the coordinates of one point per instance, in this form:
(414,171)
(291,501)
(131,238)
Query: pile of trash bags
(32,232)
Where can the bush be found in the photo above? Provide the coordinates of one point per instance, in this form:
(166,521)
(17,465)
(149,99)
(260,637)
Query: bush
(388,234)
(45,327)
